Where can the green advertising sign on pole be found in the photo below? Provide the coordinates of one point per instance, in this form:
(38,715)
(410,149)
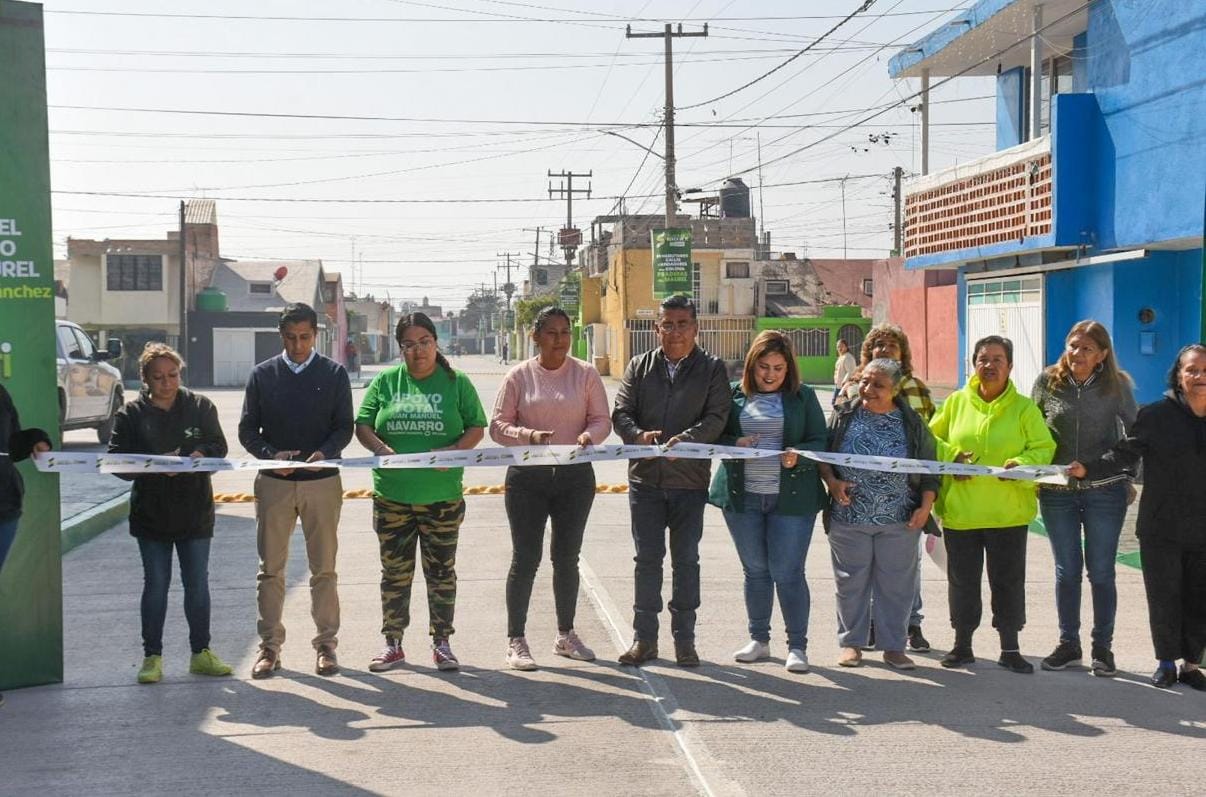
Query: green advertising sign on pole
(569,294)
(671,262)
(31,592)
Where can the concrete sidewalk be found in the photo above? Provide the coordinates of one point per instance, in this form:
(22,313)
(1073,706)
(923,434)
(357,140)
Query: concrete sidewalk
(574,727)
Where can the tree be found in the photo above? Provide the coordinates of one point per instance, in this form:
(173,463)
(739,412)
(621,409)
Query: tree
(527,309)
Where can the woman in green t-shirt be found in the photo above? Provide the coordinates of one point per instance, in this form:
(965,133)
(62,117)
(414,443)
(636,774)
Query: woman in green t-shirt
(418,406)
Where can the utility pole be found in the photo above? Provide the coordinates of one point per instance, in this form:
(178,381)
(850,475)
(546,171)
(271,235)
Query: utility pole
(183,292)
(897,226)
(669,35)
(570,237)
(844,217)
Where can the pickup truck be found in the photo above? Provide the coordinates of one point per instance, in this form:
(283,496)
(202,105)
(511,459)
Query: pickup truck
(90,389)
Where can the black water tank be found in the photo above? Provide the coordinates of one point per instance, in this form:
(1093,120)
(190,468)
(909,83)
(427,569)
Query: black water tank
(734,199)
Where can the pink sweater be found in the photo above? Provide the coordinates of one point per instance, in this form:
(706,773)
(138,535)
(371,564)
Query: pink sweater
(568,402)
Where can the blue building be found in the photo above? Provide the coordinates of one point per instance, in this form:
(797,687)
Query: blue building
(1093,205)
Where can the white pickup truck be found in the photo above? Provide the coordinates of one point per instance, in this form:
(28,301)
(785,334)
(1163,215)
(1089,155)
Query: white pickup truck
(90,389)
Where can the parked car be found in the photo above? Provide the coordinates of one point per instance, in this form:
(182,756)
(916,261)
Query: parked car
(90,389)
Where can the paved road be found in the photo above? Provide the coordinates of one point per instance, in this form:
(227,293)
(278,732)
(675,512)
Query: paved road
(573,727)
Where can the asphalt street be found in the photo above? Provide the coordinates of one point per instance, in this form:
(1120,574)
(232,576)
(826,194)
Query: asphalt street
(572,727)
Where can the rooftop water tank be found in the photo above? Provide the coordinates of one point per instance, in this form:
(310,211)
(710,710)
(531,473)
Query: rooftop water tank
(211,300)
(734,199)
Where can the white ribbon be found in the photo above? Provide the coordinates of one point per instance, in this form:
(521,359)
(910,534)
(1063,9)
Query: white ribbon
(70,462)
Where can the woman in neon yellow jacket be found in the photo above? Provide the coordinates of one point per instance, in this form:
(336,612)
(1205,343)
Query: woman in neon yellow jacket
(989,423)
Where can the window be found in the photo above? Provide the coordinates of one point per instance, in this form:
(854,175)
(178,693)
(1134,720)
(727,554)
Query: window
(737,270)
(259,288)
(695,285)
(777,288)
(809,342)
(867,287)
(84,344)
(134,272)
(69,345)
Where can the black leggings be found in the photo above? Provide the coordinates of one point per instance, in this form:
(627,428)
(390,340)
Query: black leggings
(536,494)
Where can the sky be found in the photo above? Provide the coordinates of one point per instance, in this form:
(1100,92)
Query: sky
(407,144)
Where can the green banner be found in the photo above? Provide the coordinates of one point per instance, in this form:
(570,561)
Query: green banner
(671,262)
(31,602)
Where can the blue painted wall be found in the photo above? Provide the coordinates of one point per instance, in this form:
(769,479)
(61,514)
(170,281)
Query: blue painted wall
(1145,66)
(1168,283)
(1076,123)
(1011,108)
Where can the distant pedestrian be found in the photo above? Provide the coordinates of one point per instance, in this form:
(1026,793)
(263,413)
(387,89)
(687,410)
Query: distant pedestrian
(843,368)
(171,511)
(352,357)
(985,518)
(297,406)
(876,517)
(1169,435)
(674,393)
(770,504)
(1088,404)
(506,351)
(16,444)
(551,399)
(417,406)
(890,341)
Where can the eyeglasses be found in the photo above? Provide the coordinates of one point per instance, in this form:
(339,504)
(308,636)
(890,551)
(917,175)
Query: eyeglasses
(420,345)
(1192,373)
(675,326)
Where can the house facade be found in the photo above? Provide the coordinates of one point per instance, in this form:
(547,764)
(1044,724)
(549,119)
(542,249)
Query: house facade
(617,305)
(1093,205)
(132,288)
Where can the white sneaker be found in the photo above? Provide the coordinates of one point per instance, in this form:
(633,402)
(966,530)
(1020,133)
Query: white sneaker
(519,655)
(753,651)
(797,661)
(570,646)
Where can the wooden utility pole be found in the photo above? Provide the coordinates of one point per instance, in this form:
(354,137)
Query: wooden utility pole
(897,226)
(570,237)
(183,348)
(669,35)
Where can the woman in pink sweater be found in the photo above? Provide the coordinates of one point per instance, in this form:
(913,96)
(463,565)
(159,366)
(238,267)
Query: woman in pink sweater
(552,399)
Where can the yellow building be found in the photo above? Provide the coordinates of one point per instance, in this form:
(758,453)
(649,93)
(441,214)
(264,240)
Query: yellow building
(617,303)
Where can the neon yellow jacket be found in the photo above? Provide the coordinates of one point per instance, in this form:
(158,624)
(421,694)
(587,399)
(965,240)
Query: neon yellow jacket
(1009,429)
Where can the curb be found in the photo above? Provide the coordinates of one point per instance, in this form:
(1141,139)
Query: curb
(1128,559)
(83,527)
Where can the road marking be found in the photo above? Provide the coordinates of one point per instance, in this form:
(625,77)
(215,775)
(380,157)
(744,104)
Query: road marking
(703,769)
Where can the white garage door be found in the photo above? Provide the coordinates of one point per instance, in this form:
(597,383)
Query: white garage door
(1012,308)
(234,356)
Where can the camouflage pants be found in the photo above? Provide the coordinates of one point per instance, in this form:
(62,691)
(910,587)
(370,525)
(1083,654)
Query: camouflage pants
(434,528)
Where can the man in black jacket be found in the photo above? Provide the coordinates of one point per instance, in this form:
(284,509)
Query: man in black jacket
(675,393)
(298,406)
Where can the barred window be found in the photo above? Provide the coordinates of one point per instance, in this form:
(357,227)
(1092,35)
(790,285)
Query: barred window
(809,342)
(737,270)
(134,272)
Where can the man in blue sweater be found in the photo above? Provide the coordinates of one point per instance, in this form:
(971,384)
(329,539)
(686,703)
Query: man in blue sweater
(298,406)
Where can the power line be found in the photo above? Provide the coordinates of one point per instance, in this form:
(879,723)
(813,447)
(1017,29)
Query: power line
(915,95)
(866,4)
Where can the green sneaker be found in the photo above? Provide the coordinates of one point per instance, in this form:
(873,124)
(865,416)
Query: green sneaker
(206,663)
(152,670)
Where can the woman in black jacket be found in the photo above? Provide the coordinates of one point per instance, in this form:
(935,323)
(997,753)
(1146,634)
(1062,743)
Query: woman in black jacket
(170,510)
(1170,437)
(16,444)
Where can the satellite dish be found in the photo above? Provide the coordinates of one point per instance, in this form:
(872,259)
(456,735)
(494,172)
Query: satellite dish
(280,273)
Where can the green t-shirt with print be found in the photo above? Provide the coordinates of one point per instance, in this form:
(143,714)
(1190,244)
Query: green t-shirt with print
(416,415)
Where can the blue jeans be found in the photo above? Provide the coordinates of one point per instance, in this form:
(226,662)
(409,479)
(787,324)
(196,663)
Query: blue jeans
(653,511)
(1100,513)
(772,549)
(157,577)
(8,533)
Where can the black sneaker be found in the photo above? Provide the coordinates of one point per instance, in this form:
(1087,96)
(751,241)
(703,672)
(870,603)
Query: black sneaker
(1103,663)
(1193,679)
(1066,654)
(958,657)
(1014,662)
(917,641)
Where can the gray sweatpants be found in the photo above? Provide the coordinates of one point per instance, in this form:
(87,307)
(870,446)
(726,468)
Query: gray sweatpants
(879,558)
